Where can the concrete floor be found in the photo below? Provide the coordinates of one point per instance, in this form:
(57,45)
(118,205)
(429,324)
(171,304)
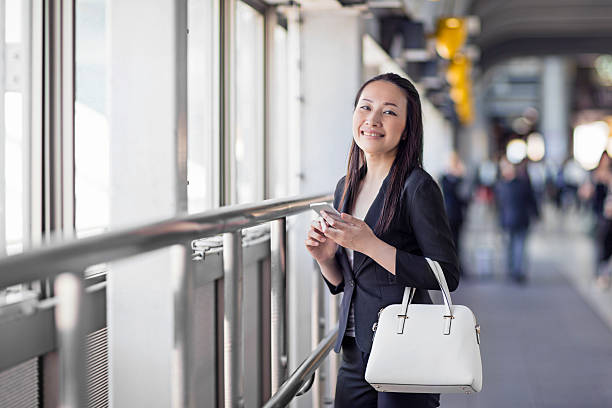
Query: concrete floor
(545,344)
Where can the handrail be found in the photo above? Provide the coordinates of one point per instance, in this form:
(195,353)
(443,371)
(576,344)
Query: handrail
(301,375)
(68,260)
(76,255)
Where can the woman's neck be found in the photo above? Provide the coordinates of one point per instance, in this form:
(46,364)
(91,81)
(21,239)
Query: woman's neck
(378,168)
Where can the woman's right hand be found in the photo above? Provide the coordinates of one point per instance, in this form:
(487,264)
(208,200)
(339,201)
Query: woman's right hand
(321,248)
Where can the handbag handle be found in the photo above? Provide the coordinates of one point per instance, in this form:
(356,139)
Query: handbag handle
(409,295)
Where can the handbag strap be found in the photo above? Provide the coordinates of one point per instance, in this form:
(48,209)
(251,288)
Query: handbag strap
(409,295)
(403,315)
(437,270)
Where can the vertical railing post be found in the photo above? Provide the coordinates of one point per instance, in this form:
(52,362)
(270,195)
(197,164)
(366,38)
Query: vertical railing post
(333,366)
(278,253)
(315,331)
(71,339)
(232,319)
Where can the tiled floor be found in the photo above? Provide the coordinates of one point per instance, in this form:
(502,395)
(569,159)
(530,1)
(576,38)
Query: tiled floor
(548,343)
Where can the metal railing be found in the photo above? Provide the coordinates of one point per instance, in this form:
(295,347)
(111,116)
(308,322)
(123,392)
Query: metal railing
(300,381)
(66,261)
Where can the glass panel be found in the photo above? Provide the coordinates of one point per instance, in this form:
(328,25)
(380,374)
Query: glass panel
(248,137)
(11,92)
(13,21)
(13,169)
(279,136)
(91,120)
(203,106)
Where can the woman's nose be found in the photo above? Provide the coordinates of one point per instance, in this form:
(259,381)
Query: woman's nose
(373,118)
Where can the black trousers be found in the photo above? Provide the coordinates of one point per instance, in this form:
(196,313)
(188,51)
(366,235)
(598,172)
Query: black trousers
(352,390)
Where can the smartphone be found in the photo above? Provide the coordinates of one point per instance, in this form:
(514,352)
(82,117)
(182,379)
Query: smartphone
(317,207)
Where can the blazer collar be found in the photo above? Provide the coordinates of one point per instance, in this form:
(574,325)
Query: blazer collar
(360,260)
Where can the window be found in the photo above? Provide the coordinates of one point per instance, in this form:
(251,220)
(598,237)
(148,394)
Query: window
(203,106)
(248,138)
(91,127)
(11,238)
(280,139)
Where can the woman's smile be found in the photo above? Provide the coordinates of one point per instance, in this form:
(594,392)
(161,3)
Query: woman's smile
(370,133)
(379,118)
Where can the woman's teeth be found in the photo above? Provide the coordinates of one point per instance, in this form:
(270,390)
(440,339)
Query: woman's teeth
(371,134)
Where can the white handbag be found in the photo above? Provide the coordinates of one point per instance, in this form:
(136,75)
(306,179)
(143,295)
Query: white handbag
(422,348)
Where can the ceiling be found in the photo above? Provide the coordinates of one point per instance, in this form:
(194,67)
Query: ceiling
(541,27)
(518,28)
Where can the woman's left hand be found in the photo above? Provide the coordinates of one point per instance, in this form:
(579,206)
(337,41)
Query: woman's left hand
(350,232)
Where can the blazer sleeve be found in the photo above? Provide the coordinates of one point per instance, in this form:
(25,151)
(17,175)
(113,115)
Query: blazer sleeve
(425,213)
(337,196)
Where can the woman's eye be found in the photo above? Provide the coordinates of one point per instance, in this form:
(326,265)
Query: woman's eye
(391,113)
(365,107)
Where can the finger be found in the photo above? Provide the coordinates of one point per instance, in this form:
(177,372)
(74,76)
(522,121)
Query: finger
(316,236)
(323,224)
(328,218)
(316,226)
(349,219)
(334,234)
(333,222)
(312,243)
(346,217)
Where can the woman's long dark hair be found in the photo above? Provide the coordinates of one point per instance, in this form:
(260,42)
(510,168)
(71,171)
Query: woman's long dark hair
(408,157)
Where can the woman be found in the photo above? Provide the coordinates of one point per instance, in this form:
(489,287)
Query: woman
(397,219)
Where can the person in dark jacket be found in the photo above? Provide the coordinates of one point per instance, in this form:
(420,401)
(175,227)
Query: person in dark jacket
(517,205)
(454,201)
(392,218)
(600,179)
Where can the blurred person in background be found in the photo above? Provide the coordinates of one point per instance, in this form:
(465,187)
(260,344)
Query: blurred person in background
(603,268)
(600,179)
(571,176)
(455,200)
(601,204)
(517,205)
(486,178)
(538,175)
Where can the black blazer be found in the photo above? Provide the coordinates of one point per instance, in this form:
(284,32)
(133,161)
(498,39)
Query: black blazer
(420,228)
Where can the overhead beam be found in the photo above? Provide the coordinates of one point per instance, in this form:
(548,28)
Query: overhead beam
(532,46)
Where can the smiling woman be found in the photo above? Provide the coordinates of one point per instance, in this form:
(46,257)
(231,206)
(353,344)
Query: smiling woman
(380,116)
(392,218)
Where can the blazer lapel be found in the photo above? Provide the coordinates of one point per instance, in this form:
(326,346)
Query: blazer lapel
(360,260)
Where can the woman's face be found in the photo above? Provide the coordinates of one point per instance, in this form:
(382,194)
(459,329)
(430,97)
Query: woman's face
(379,118)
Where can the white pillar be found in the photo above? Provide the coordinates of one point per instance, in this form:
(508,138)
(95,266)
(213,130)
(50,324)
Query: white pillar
(555,108)
(148,295)
(473,144)
(331,73)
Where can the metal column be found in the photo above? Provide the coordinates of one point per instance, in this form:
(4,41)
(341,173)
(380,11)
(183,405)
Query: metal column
(555,108)
(59,118)
(69,314)
(232,319)
(278,253)
(181,28)
(227,97)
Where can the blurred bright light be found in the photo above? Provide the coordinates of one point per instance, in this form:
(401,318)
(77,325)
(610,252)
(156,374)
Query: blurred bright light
(590,140)
(516,151)
(536,147)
